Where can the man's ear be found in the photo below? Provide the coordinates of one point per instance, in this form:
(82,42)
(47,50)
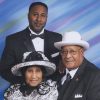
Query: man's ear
(82,51)
(28,16)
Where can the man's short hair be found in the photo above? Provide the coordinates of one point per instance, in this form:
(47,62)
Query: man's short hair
(38,3)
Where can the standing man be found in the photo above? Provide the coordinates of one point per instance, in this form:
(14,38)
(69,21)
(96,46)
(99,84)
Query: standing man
(82,78)
(33,38)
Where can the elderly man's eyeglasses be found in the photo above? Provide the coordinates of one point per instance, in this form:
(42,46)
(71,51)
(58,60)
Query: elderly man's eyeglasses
(72,52)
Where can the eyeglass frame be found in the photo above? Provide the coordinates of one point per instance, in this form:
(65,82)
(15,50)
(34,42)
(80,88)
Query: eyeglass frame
(71,52)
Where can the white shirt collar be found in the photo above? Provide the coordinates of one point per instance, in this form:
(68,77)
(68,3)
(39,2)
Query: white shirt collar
(72,72)
(36,33)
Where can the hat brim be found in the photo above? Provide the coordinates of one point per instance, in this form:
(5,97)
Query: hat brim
(81,43)
(50,67)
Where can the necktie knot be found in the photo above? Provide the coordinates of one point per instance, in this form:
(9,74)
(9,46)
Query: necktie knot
(64,82)
(68,77)
(65,77)
(35,36)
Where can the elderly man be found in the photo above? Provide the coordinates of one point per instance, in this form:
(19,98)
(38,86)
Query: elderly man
(82,78)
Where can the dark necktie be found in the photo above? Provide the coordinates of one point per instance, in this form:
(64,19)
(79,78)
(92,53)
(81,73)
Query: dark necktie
(64,87)
(34,36)
(68,78)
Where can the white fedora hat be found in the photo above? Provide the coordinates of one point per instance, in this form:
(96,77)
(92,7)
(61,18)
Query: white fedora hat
(34,58)
(72,38)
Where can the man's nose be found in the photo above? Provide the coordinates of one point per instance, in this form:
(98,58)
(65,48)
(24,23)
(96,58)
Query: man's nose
(38,18)
(68,54)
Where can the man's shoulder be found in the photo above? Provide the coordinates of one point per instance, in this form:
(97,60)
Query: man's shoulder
(17,34)
(52,33)
(91,67)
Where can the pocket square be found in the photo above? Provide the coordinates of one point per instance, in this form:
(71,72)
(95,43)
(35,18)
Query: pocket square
(55,54)
(78,95)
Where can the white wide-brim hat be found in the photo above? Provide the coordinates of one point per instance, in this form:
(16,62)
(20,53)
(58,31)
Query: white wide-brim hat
(72,38)
(39,60)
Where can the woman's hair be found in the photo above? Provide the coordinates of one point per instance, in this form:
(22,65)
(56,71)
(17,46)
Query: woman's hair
(25,88)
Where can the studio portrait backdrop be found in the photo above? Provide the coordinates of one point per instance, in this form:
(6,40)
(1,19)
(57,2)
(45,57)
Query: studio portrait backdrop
(63,15)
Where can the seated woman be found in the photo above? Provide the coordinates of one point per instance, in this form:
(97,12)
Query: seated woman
(34,69)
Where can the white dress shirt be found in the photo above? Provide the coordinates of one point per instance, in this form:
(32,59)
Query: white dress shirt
(72,73)
(38,42)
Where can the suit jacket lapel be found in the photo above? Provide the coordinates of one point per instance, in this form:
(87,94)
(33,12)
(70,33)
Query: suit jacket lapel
(71,87)
(27,41)
(74,82)
(46,43)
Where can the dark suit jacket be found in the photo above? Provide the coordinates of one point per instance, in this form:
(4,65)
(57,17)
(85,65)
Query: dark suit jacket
(17,44)
(84,86)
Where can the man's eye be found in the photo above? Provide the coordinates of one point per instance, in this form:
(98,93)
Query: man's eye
(35,14)
(43,15)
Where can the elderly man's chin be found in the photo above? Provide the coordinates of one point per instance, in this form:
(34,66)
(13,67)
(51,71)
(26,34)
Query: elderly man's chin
(70,66)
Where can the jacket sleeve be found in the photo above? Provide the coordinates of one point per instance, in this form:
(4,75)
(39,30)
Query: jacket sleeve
(7,60)
(93,93)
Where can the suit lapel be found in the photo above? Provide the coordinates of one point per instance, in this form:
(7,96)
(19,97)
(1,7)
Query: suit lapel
(27,41)
(29,45)
(71,87)
(46,43)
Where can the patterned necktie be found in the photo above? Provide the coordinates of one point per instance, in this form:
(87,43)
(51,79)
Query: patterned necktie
(34,36)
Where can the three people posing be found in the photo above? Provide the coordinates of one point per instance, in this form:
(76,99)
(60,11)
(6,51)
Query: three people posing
(84,80)
(81,78)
